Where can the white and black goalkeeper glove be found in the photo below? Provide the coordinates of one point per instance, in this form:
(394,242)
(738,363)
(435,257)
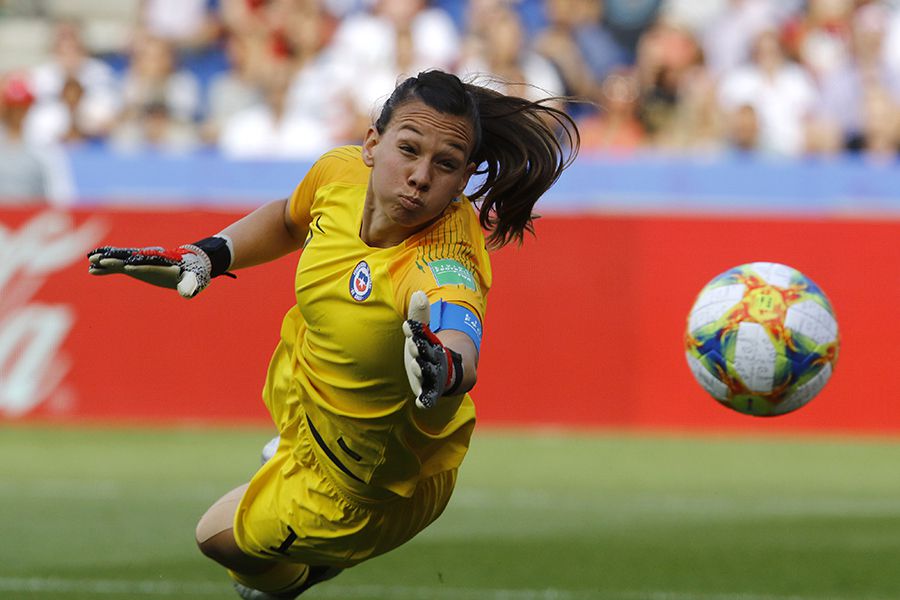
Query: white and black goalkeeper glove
(188,268)
(433,369)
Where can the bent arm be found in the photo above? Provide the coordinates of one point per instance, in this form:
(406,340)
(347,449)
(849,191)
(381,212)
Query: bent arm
(463,345)
(264,235)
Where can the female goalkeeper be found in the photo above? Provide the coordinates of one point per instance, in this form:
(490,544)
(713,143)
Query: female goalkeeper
(368,384)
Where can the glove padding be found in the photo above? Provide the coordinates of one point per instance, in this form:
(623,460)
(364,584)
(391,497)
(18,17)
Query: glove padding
(185,268)
(432,369)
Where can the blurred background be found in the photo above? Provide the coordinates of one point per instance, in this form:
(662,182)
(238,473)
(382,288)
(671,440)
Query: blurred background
(714,133)
(287,79)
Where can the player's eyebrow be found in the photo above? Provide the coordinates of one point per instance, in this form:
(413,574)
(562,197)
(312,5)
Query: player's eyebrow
(453,144)
(458,146)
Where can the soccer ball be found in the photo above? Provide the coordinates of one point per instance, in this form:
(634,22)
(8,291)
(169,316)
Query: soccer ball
(762,339)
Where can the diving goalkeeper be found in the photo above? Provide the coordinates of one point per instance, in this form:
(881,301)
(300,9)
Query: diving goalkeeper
(368,384)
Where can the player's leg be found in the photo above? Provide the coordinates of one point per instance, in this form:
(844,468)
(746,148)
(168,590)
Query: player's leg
(316,575)
(215,539)
(255,578)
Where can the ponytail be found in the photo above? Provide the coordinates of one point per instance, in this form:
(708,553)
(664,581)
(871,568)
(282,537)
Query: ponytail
(525,146)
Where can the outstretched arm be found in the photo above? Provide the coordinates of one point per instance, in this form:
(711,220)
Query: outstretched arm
(267,233)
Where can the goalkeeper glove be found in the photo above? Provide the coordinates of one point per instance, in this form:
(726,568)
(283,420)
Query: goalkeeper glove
(187,268)
(433,369)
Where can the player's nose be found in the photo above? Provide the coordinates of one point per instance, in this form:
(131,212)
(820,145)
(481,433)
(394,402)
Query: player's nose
(420,175)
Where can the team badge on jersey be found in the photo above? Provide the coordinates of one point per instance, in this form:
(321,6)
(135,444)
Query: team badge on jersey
(361,281)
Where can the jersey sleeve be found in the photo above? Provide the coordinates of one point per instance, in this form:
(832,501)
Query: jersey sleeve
(452,267)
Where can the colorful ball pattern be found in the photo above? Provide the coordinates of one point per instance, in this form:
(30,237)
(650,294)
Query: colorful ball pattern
(762,339)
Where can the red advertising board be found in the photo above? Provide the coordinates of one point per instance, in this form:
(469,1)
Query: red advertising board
(584,325)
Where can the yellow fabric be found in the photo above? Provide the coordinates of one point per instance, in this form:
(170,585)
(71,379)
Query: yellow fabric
(341,359)
(294,497)
(339,365)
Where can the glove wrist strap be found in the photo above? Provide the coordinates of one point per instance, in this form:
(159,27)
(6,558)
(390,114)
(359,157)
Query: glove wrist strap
(219,252)
(456,372)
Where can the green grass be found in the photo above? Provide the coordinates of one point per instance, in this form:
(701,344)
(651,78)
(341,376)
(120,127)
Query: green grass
(109,513)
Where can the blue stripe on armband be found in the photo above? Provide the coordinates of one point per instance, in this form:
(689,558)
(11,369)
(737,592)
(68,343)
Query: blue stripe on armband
(445,315)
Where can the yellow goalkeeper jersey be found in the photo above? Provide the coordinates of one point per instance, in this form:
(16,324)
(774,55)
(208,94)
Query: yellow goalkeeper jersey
(340,358)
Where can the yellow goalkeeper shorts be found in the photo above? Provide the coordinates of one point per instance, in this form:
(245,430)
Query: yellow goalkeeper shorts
(294,509)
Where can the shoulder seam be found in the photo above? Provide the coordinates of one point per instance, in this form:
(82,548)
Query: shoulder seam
(344,153)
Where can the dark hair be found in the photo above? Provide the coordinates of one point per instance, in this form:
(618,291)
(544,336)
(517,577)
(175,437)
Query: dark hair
(521,146)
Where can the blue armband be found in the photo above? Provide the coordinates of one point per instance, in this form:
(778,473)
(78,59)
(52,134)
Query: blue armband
(445,315)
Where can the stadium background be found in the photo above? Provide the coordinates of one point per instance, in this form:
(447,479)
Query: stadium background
(628,237)
(690,166)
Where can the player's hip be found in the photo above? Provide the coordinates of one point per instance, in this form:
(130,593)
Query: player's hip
(297,509)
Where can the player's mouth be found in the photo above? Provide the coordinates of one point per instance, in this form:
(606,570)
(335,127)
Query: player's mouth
(411,202)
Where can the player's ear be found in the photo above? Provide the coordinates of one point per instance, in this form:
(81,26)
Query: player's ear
(369,143)
(470,170)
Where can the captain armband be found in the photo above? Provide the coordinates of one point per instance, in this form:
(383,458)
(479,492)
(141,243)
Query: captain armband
(445,315)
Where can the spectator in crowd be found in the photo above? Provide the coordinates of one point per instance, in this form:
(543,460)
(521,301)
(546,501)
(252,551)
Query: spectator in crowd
(499,57)
(477,24)
(237,88)
(262,19)
(628,19)
(154,129)
(697,124)
(879,134)
(73,71)
(154,76)
(318,89)
(666,54)
(63,120)
(890,50)
(700,69)
(309,28)
(729,36)
(843,88)
(781,91)
(694,16)
(304,29)
(392,38)
(743,130)
(824,138)
(245,18)
(186,24)
(297,34)
(278,23)
(819,37)
(408,34)
(271,129)
(578,45)
(23,178)
(616,128)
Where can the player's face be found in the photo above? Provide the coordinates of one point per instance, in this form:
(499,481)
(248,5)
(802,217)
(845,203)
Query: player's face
(419,165)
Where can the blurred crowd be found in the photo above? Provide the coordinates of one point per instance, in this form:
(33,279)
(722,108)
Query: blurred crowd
(290,78)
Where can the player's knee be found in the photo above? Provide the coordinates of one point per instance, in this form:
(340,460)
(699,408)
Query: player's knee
(210,525)
(207,548)
(210,545)
(215,538)
(224,550)
(218,520)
